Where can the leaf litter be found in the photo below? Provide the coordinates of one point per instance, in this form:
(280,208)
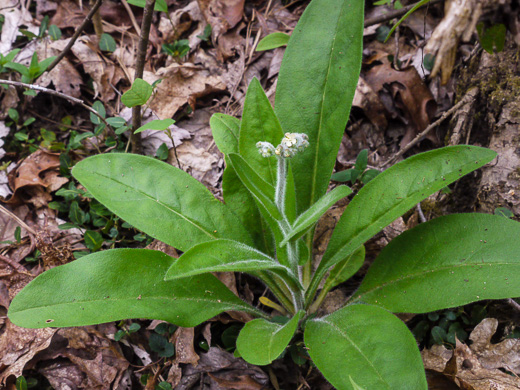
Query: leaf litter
(392,105)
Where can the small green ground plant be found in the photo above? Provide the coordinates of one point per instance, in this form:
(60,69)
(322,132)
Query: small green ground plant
(273,199)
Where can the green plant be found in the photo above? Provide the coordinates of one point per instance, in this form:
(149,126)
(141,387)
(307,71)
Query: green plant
(177,49)
(33,71)
(266,226)
(359,171)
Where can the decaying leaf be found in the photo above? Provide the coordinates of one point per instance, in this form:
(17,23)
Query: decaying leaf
(222,14)
(479,366)
(404,95)
(19,346)
(64,77)
(185,353)
(233,373)
(34,179)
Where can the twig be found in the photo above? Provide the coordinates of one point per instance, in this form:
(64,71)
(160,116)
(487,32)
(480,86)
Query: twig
(96,21)
(11,215)
(139,70)
(394,14)
(422,218)
(54,93)
(471,94)
(75,36)
(132,16)
(513,303)
(17,267)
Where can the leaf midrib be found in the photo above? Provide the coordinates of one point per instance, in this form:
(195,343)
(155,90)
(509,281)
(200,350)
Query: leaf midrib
(142,300)
(340,331)
(322,102)
(200,227)
(369,226)
(429,272)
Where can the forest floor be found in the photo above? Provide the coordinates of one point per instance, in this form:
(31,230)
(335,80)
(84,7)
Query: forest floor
(447,76)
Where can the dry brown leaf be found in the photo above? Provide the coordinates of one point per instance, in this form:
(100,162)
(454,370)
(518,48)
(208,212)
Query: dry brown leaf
(68,14)
(366,99)
(199,156)
(477,367)
(505,354)
(404,95)
(14,17)
(184,353)
(65,78)
(18,346)
(31,181)
(103,71)
(224,366)
(221,14)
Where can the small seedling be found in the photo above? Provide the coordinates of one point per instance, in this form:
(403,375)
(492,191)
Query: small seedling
(177,49)
(359,171)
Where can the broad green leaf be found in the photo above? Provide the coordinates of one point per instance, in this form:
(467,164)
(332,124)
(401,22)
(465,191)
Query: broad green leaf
(160,5)
(119,284)
(156,124)
(367,345)
(261,341)
(395,191)
(259,123)
(100,109)
(177,209)
(107,43)
(259,188)
(54,32)
(225,130)
(311,216)
(116,121)
(345,269)
(272,41)
(23,70)
(8,57)
(138,94)
(317,81)
(243,204)
(43,65)
(447,262)
(226,256)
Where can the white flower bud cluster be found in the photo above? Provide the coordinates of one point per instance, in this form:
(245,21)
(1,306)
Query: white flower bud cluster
(265,149)
(291,144)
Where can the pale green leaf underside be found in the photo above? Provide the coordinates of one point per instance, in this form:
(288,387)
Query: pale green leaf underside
(119,284)
(306,220)
(447,262)
(225,256)
(395,191)
(360,342)
(258,187)
(176,209)
(316,85)
(272,41)
(261,341)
